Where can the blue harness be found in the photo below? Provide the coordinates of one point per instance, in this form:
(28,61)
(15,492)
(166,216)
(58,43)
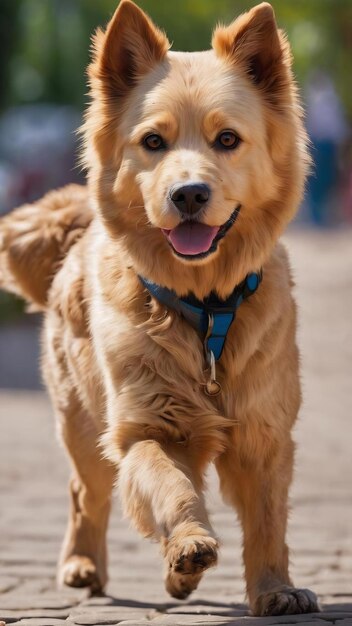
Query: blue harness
(211,317)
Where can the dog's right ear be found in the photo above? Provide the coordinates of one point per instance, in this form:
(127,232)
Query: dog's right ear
(129,48)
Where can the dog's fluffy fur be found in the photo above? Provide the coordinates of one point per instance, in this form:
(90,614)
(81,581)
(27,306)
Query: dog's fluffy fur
(125,374)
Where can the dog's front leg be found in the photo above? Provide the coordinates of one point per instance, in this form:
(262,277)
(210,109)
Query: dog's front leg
(258,488)
(163,497)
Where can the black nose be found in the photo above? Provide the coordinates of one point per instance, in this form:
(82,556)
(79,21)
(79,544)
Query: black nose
(190,198)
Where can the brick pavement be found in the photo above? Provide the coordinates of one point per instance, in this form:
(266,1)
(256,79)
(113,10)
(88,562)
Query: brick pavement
(33,476)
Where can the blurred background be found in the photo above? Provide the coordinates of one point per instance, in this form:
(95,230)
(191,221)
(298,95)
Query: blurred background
(44,52)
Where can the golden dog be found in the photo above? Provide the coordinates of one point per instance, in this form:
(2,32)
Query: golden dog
(196,162)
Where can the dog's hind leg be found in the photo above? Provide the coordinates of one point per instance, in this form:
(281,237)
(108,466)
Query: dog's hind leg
(83,560)
(163,497)
(72,378)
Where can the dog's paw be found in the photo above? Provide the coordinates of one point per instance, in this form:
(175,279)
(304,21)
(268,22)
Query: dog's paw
(187,560)
(286,601)
(79,571)
(192,555)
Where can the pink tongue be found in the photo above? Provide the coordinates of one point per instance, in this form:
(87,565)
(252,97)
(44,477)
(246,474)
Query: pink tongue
(192,237)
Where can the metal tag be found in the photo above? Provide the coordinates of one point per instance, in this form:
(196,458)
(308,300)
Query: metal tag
(212,386)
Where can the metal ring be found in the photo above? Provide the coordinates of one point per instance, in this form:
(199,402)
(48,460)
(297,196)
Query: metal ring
(212,388)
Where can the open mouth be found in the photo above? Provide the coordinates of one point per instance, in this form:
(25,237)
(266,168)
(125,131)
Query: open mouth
(194,240)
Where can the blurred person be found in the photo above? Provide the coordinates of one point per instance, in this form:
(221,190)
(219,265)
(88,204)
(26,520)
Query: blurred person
(327,129)
(37,151)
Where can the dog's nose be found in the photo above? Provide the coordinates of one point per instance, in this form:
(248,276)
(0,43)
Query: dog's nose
(189,199)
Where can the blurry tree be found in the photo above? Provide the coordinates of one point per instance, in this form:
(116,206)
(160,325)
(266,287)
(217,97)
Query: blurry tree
(9,37)
(45,43)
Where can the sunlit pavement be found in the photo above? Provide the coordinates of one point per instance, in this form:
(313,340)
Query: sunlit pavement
(34,473)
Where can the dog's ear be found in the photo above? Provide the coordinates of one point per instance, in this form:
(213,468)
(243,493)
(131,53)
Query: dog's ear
(129,48)
(254,42)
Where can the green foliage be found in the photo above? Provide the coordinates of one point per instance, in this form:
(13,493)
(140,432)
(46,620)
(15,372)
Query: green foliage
(45,43)
(11,307)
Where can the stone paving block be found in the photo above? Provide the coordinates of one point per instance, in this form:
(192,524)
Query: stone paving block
(334,615)
(41,621)
(10,616)
(146,594)
(111,612)
(282,620)
(16,601)
(34,586)
(114,616)
(187,620)
(30,569)
(331,587)
(210,608)
(313,619)
(99,601)
(7,583)
(301,620)
(344,605)
(203,614)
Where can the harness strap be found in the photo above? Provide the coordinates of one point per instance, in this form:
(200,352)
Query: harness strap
(211,317)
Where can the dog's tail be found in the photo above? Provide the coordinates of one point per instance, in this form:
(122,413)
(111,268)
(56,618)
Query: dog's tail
(35,238)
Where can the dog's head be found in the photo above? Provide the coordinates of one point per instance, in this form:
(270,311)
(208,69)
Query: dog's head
(181,144)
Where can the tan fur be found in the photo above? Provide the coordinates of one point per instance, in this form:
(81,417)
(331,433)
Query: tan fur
(35,238)
(126,374)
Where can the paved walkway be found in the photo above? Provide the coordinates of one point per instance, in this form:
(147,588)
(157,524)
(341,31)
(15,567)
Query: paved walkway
(33,476)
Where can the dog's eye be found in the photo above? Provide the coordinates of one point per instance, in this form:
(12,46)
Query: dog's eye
(153,142)
(227,140)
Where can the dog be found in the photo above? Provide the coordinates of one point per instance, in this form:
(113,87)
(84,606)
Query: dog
(169,333)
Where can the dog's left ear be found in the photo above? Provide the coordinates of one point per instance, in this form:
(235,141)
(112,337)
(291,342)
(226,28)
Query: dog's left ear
(254,43)
(129,48)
